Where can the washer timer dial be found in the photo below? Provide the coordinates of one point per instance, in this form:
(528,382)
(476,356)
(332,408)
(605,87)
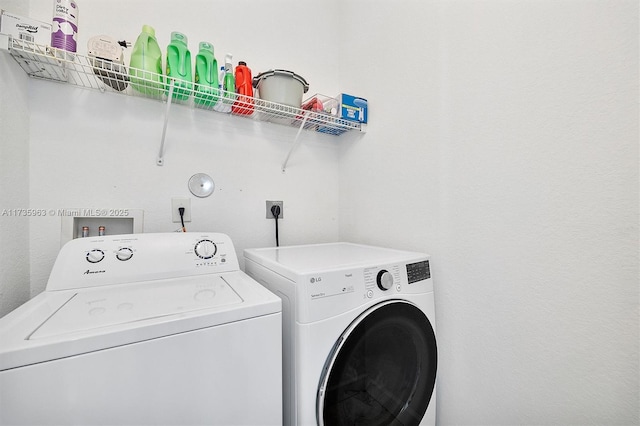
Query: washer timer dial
(95,255)
(205,249)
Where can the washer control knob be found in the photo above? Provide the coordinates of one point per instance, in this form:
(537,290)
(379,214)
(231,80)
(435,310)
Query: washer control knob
(205,249)
(384,280)
(124,253)
(95,256)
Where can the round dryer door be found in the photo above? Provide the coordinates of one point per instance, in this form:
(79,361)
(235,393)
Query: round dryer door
(382,370)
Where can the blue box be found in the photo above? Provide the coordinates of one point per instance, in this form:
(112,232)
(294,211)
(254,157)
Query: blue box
(352,108)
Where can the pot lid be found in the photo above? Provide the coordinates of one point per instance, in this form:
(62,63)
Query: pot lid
(283,73)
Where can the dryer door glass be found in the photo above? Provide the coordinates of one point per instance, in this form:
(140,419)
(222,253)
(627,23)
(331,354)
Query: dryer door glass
(382,371)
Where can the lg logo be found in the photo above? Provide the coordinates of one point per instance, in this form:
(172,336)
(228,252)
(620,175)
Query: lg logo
(313,280)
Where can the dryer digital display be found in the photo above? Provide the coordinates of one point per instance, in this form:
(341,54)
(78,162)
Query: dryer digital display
(418,271)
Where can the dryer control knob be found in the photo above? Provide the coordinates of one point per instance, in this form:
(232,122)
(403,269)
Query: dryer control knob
(205,249)
(384,280)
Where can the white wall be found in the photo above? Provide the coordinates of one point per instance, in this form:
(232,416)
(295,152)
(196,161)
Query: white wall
(511,157)
(14,178)
(90,150)
(389,183)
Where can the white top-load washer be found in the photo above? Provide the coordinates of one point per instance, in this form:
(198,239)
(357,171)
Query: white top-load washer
(144,329)
(359,343)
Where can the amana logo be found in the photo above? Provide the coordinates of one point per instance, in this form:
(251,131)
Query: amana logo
(87,272)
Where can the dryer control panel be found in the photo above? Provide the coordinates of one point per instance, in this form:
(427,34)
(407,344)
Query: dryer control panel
(385,279)
(331,292)
(115,259)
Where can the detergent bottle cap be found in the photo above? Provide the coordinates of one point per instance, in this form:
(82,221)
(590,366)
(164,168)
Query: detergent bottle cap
(205,46)
(176,36)
(242,63)
(149,30)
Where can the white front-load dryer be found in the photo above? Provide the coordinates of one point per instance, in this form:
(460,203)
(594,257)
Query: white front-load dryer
(144,329)
(359,343)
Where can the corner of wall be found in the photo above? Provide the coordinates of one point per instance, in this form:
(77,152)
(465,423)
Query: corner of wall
(14,192)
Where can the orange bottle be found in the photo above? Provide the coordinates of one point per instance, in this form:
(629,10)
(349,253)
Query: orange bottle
(244,103)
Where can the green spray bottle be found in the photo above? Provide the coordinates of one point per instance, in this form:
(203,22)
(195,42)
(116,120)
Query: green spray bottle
(145,67)
(179,67)
(206,76)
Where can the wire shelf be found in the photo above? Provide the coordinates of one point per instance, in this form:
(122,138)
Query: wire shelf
(53,64)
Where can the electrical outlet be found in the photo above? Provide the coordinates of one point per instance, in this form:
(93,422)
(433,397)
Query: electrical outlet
(275,203)
(176,203)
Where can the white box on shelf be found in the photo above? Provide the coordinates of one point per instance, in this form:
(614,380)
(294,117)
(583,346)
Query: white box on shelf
(25,29)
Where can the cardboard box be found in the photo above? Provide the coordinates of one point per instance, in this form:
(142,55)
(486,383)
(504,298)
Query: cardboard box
(25,29)
(352,108)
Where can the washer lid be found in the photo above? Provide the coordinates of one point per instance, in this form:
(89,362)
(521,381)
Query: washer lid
(103,307)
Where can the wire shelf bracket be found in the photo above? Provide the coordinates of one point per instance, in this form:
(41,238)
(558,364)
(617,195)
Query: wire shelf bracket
(296,142)
(160,159)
